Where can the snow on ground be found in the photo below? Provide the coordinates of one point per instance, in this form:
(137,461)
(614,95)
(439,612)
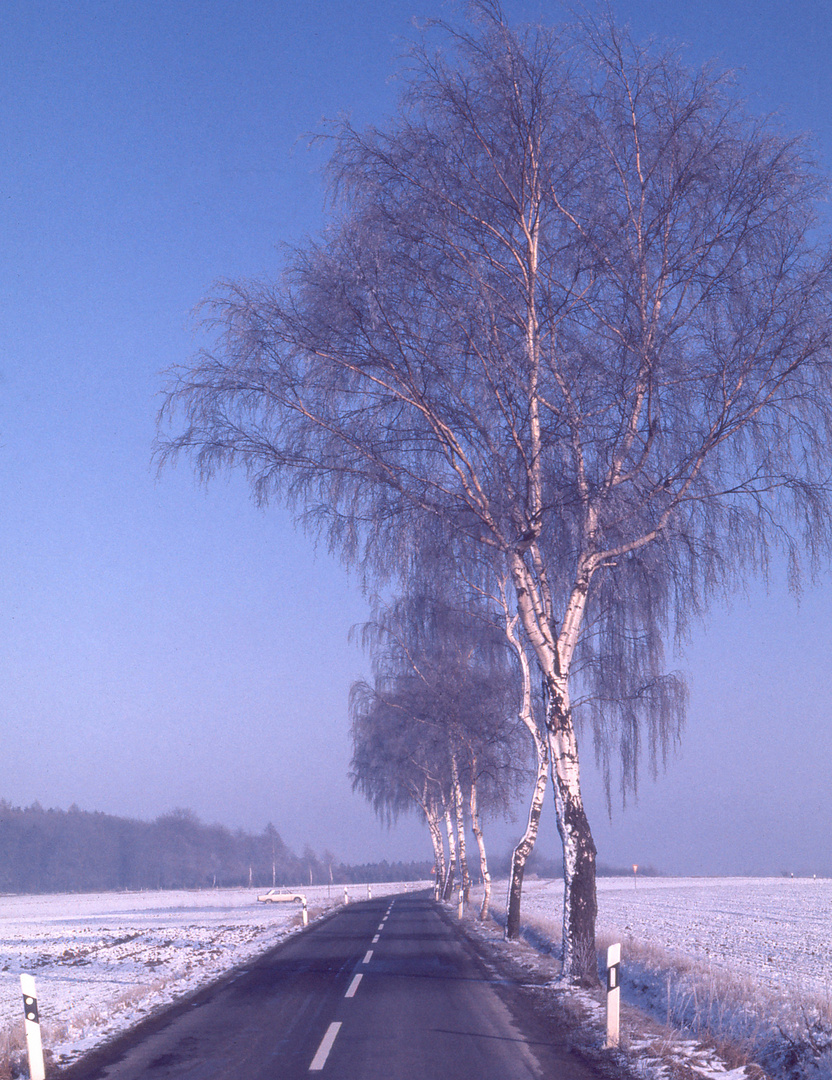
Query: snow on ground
(775,931)
(715,972)
(103,961)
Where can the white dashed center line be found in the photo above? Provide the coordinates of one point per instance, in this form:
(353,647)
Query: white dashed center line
(319,1060)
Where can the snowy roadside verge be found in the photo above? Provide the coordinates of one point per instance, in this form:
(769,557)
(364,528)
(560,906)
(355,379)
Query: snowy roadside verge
(720,977)
(104,962)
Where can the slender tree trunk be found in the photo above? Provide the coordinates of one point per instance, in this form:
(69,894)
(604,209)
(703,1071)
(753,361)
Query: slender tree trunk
(476,825)
(554,653)
(528,839)
(448,889)
(459,811)
(541,749)
(580,963)
(434,826)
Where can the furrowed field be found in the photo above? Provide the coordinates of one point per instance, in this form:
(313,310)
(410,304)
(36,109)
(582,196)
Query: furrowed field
(746,960)
(776,931)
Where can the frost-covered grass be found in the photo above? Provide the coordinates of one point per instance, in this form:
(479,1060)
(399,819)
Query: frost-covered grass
(744,963)
(104,961)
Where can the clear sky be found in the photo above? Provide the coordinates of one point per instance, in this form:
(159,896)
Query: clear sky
(166,645)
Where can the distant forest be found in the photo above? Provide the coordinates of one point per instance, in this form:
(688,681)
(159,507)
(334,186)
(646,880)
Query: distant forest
(80,851)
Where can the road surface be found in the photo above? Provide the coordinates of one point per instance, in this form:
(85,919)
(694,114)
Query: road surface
(384,990)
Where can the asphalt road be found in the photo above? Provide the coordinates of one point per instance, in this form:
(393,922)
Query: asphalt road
(384,989)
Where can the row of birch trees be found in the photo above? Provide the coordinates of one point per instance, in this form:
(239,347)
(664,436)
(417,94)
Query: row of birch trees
(437,729)
(570,316)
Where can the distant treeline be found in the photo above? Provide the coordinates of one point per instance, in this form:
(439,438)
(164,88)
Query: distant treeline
(80,851)
(540,866)
(386,871)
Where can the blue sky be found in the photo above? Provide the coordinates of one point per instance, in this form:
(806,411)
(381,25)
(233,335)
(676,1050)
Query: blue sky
(167,645)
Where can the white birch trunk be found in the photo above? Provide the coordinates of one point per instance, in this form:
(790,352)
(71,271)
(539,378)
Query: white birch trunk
(580,963)
(554,656)
(527,841)
(459,813)
(476,825)
(434,825)
(449,879)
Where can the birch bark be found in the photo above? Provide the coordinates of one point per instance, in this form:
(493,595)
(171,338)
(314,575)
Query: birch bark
(476,825)
(434,819)
(554,654)
(448,889)
(580,963)
(527,841)
(459,814)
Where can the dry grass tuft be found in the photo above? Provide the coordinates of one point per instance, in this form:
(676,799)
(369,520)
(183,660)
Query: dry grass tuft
(743,1022)
(13,1059)
(731,1017)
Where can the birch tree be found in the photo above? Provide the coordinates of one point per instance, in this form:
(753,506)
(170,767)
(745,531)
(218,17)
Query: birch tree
(396,772)
(442,704)
(573,306)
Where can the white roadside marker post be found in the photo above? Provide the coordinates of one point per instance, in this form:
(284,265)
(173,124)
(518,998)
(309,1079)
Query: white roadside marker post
(32,1022)
(461,903)
(305,911)
(346,895)
(369,892)
(613,994)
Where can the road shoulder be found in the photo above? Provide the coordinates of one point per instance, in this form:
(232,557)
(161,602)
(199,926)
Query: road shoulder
(576,1017)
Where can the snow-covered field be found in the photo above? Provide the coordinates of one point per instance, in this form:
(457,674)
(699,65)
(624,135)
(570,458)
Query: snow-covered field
(103,961)
(775,931)
(719,970)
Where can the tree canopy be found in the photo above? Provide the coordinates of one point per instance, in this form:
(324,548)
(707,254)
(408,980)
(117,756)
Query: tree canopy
(572,304)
